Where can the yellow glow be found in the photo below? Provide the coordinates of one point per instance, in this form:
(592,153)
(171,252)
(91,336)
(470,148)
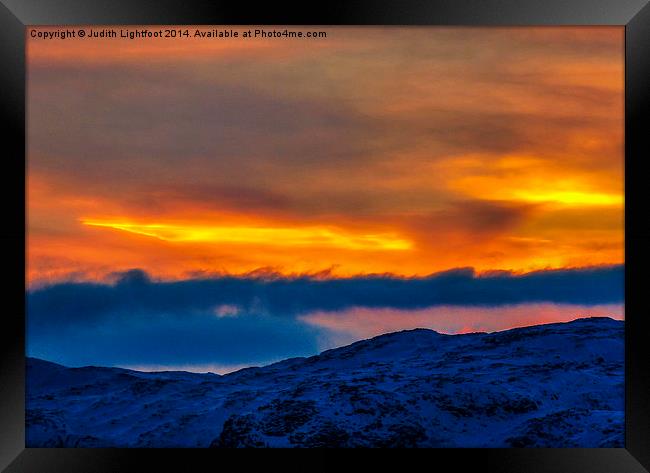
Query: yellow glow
(274,236)
(570,198)
(536,186)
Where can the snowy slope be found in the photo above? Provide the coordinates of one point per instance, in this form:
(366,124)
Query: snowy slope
(556,385)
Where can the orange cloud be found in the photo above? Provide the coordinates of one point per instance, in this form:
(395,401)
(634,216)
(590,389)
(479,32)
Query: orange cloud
(271,236)
(400,150)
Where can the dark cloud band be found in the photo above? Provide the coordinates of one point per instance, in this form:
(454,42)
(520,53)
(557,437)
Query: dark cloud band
(255,319)
(291,296)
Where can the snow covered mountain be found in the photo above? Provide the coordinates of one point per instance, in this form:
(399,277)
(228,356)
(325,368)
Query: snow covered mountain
(555,385)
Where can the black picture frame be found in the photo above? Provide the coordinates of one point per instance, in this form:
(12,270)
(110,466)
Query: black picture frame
(17,15)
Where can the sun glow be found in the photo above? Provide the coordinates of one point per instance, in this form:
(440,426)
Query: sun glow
(272,236)
(571,198)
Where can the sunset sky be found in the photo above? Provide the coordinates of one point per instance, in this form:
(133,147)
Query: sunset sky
(396,151)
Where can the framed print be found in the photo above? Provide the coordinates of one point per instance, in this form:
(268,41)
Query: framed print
(368,229)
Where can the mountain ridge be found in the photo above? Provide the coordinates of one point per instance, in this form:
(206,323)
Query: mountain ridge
(558,384)
(389,334)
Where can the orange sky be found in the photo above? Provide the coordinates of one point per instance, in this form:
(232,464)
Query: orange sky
(400,150)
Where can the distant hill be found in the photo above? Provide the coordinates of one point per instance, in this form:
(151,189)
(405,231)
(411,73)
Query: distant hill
(555,385)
